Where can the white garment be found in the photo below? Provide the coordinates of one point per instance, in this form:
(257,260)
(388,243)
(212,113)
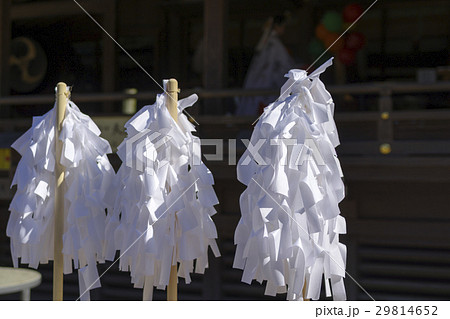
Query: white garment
(265,72)
(289,230)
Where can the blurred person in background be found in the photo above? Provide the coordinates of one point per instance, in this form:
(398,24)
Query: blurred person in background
(269,64)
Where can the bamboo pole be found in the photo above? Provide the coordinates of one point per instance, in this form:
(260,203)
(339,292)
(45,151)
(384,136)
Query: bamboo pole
(58,262)
(172,105)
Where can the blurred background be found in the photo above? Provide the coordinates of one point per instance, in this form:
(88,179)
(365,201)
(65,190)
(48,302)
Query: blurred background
(390,81)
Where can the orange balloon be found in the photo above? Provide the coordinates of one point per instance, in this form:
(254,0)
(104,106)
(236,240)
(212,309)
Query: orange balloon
(329,40)
(321,32)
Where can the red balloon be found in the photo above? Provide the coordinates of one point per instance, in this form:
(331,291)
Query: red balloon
(347,56)
(355,41)
(352,12)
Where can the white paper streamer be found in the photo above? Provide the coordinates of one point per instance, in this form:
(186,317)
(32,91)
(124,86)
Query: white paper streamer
(162,214)
(290,224)
(88,176)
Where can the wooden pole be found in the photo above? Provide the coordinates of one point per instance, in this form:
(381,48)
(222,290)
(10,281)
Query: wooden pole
(304,292)
(58,262)
(172,98)
(172,105)
(172,293)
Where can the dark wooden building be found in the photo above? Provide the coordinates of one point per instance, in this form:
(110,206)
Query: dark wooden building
(392,113)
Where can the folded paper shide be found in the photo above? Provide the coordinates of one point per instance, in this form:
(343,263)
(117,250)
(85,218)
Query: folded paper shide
(165,200)
(88,176)
(288,234)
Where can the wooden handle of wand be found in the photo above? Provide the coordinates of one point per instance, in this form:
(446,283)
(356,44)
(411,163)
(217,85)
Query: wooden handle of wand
(172,105)
(58,260)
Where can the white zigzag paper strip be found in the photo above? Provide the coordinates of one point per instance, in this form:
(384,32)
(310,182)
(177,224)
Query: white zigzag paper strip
(289,230)
(88,176)
(162,214)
